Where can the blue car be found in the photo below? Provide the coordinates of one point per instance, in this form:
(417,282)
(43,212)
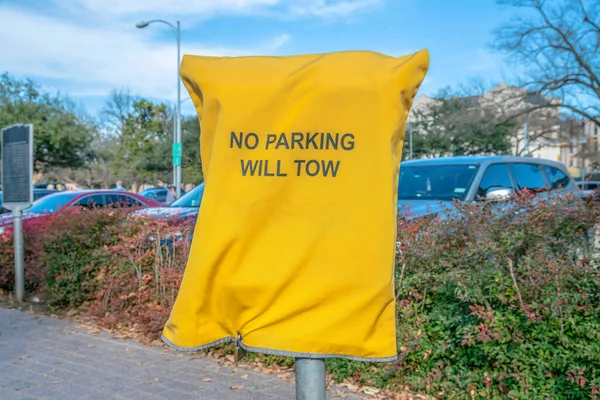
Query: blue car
(429,187)
(158,194)
(184,208)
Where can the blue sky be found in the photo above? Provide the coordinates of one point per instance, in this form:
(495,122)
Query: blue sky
(85,48)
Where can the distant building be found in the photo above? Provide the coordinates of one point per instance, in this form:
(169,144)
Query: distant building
(578,146)
(543,132)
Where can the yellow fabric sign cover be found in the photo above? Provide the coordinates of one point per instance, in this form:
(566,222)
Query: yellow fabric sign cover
(293,251)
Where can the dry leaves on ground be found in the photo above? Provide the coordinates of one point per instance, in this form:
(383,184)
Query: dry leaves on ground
(286,377)
(129,332)
(349,386)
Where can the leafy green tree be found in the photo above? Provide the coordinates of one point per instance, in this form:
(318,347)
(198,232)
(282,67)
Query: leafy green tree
(62,135)
(452,126)
(190,159)
(143,143)
(137,140)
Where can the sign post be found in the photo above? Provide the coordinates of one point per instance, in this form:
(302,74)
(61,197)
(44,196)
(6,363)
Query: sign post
(17,189)
(310,379)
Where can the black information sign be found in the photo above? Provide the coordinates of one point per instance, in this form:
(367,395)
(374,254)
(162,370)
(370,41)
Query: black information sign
(17,166)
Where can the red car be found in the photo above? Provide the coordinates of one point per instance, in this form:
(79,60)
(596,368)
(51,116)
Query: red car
(60,202)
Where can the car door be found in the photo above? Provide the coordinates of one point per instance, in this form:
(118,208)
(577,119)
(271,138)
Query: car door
(90,202)
(122,201)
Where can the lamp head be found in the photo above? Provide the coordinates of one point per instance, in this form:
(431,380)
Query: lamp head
(142,24)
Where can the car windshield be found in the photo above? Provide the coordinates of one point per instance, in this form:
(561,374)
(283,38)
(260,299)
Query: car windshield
(435,182)
(51,203)
(193,198)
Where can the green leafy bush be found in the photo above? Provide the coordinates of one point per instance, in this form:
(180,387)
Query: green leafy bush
(505,307)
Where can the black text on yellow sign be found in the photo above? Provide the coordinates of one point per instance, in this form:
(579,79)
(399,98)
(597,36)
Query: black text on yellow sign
(291,141)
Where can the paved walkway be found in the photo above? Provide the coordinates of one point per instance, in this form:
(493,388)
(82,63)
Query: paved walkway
(46,358)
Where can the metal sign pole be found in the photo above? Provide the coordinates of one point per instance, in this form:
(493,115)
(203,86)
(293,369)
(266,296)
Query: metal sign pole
(310,379)
(17,189)
(19,255)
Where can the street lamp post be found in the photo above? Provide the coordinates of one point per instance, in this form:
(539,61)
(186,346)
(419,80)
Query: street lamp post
(526,134)
(410,138)
(177,134)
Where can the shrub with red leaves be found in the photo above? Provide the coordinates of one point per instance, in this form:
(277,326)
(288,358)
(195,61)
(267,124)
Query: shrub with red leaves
(33,240)
(139,286)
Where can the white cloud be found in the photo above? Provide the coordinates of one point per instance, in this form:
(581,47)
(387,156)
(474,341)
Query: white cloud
(169,8)
(85,48)
(91,60)
(325,8)
(277,42)
(199,9)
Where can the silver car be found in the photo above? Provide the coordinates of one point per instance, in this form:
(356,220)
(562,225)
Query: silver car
(430,186)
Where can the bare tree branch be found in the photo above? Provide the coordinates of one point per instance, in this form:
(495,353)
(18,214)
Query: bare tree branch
(576,110)
(118,105)
(558,46)
(586,17)
(570,48)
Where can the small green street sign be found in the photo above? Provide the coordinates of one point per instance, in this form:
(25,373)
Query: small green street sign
(176,154)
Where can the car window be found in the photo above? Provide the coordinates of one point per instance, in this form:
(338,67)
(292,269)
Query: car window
(148,193)
(133,202)
(435,182)
(121,200)
(496,176)
(588,185)
(529,176)
(557,178)
(191,199)
(96,200)
(38,194)
(155,194)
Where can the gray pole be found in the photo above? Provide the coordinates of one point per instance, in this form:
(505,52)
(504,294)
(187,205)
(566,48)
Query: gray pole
(410,129)
(310,379)
(174,140)
(19,255)
(177,127)
(178,133)
(526,134)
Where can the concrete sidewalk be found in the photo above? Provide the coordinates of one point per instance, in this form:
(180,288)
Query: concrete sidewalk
(46,358)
